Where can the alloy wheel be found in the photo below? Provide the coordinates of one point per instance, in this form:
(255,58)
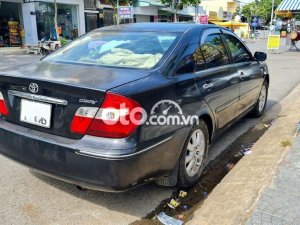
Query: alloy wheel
(262,98)
(195,153)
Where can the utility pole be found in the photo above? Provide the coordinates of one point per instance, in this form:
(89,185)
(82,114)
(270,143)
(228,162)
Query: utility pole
(272,15)
(118,3)
(196,13)
(55,20)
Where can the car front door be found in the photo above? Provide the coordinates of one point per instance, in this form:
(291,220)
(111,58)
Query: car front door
(219,83)
(249,72)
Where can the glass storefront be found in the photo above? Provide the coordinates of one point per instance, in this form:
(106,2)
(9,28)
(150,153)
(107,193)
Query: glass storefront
(164,16)
(10,24)
(91,21)
(66,19)
(185,18)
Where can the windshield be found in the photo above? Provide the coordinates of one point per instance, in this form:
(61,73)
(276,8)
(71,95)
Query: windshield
(120,49)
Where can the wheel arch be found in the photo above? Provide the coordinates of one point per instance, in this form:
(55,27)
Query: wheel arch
(267,78)
(207,116)
(209,123)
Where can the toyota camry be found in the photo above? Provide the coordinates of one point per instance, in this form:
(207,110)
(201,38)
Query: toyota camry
(125,105)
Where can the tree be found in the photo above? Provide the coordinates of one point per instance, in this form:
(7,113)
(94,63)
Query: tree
(121,2)
(261,8)
(265,8)
(55,19)
(249,10)
(116,3)
(178,4)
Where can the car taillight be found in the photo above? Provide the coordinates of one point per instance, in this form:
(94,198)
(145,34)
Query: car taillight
(112,120)
(3,108)
(83,119)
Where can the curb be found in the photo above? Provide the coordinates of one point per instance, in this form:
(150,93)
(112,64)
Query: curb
(13,51)
(233,200)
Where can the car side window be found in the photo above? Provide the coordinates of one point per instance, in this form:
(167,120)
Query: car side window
(186,63)
(199,59)
(238,51)
(214,51)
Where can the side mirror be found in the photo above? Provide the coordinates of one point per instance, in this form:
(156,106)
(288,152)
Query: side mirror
(260,56)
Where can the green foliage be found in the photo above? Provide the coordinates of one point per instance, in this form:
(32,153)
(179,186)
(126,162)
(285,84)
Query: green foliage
(121,2)
(262,8)
(178,4)
(63,41)
(249,10)
(297,17)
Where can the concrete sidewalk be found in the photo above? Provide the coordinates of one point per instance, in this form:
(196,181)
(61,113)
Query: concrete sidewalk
(279,204)
(263,187)
(13,51)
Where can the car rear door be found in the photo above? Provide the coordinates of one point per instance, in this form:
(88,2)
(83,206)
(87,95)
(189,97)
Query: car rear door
(219,83)
(249,71)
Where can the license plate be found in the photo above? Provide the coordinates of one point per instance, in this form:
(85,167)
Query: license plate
(35,113)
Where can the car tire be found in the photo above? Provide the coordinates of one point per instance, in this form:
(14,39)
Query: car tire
(261,103)
(193,156)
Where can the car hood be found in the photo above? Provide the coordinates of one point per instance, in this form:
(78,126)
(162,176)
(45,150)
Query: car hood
(94,77)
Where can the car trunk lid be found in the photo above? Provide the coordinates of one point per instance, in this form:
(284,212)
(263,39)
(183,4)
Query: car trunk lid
(59,89)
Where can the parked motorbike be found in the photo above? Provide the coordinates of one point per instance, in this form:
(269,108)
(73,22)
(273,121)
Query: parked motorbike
(46,47)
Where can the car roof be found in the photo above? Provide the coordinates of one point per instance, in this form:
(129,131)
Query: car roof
(159,27)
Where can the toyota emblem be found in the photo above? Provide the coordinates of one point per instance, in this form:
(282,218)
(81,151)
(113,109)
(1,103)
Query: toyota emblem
(33,87)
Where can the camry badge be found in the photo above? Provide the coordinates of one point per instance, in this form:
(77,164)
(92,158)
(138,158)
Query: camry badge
(33,87)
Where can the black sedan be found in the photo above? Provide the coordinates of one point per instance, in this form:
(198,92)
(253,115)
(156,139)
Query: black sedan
(125,105)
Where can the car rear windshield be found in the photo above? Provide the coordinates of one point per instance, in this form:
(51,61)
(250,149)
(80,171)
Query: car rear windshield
(119,49)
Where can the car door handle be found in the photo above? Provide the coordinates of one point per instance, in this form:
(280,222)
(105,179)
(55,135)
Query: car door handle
(242,75)
(208,85)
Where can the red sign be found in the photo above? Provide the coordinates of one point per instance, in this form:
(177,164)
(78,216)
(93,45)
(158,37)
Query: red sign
(203,19)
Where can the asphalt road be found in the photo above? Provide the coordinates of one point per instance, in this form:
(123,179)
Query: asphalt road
(30,198)
(7,61)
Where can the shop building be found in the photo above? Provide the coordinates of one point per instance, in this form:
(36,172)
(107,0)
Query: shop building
(11,21)
(288,26)
(288,8)
(98,14)
(155,11)
(220,10)
(25,22)
(188,13)
(145,14)
(146,10)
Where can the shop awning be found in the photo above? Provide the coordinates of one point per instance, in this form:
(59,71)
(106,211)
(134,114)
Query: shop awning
(232,24)
(289,5)
(148,3)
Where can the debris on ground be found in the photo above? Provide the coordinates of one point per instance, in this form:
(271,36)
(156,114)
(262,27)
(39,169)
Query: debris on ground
(247,152)
(273,121)
(181,216)
(173,203)
(182,194)
(238,155)
(214,172)
(167,220)
(229,166)
(285,143)
(185,207)
(268,124)
(80,188)
(246,149)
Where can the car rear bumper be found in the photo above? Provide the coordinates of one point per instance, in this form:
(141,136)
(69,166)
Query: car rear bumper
(74,161)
